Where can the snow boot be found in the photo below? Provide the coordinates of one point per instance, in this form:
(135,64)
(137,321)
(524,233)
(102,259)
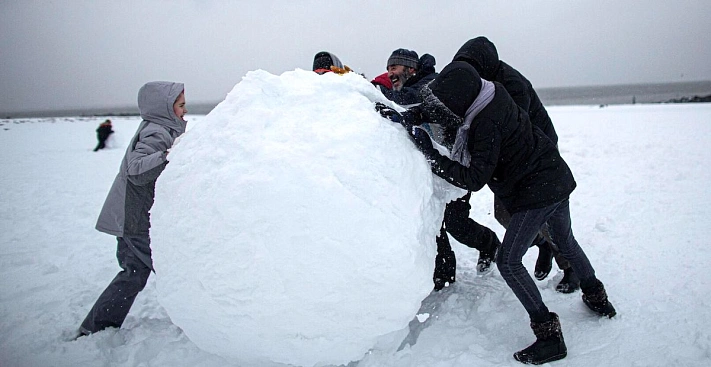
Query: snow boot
(445,270)
(486,258)
(544,263)
(549,345)
(595,298)
(570,282)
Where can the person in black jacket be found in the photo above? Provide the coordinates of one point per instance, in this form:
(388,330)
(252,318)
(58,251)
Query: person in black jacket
(496,145)
(482,55)
(102,133)
(409,74)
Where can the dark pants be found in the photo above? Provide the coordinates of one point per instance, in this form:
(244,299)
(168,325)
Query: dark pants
(523,228)
(464,229)
(111,308)
(102,144)
(543,239)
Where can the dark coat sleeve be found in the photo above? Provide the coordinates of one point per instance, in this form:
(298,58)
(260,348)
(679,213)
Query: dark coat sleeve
(405,96)
(484,147)
(516,85)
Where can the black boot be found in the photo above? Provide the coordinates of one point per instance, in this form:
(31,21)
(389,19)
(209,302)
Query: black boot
(445,270)
(544,263)
(487,257)
(570,282)
(595,298)
(549,345)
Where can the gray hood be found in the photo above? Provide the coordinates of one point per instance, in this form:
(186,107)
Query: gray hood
(155,101)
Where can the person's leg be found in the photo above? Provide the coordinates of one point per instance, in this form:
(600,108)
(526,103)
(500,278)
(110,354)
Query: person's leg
(544,262)
(570,282)
(594,294)
(547,250)
(445,262)
(112,306)
(470,233)
(521,231)
(523,228)
(559,227)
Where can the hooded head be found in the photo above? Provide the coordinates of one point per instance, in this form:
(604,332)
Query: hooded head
(324,60)
(455,88)
(482,55)
(155,101)
(426,64)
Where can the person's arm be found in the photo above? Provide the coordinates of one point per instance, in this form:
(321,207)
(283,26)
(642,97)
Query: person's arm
(403,97)
(148,158)
(484,149)
(518,89)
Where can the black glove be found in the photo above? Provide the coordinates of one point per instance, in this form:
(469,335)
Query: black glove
(423,142)
(388,112)
(413,116)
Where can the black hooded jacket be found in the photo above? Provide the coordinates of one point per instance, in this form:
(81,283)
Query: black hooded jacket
(519,163)
(409,94)
(481,53)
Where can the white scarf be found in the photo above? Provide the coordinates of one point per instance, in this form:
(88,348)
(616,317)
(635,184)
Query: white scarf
(460,153)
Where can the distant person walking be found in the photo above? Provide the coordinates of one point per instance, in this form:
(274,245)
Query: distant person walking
(125,212)
(102,133)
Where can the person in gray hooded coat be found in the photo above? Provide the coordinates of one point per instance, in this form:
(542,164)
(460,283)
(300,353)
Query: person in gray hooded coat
(125,213)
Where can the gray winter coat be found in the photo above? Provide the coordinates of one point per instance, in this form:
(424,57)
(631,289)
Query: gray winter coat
(126,208)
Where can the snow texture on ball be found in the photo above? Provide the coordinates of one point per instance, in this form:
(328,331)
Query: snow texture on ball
(295,225)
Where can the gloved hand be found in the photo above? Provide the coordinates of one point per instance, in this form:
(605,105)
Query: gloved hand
(423,142)
(413,116)
(388,112)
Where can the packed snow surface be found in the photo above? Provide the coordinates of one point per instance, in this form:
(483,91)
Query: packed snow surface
(294,224)
(641,212)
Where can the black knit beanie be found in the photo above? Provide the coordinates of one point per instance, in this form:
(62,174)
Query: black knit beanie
(457,86)
(403,57)
(324,60)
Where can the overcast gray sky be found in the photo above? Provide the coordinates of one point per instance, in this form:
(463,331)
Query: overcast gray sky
(84,54)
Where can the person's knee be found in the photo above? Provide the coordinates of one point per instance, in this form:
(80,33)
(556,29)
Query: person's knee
(138,274)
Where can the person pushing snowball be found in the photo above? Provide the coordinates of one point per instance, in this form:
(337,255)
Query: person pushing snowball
(496,145)
(125,211)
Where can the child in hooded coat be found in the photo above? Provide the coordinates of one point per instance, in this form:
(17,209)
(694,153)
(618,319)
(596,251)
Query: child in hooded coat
(125,213)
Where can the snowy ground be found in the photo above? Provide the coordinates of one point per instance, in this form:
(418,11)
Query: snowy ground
(640,212)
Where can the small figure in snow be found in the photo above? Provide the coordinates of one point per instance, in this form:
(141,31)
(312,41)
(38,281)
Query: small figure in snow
(125,212)
(102,133)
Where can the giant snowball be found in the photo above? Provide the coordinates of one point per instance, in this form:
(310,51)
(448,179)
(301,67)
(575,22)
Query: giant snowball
(294,224)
